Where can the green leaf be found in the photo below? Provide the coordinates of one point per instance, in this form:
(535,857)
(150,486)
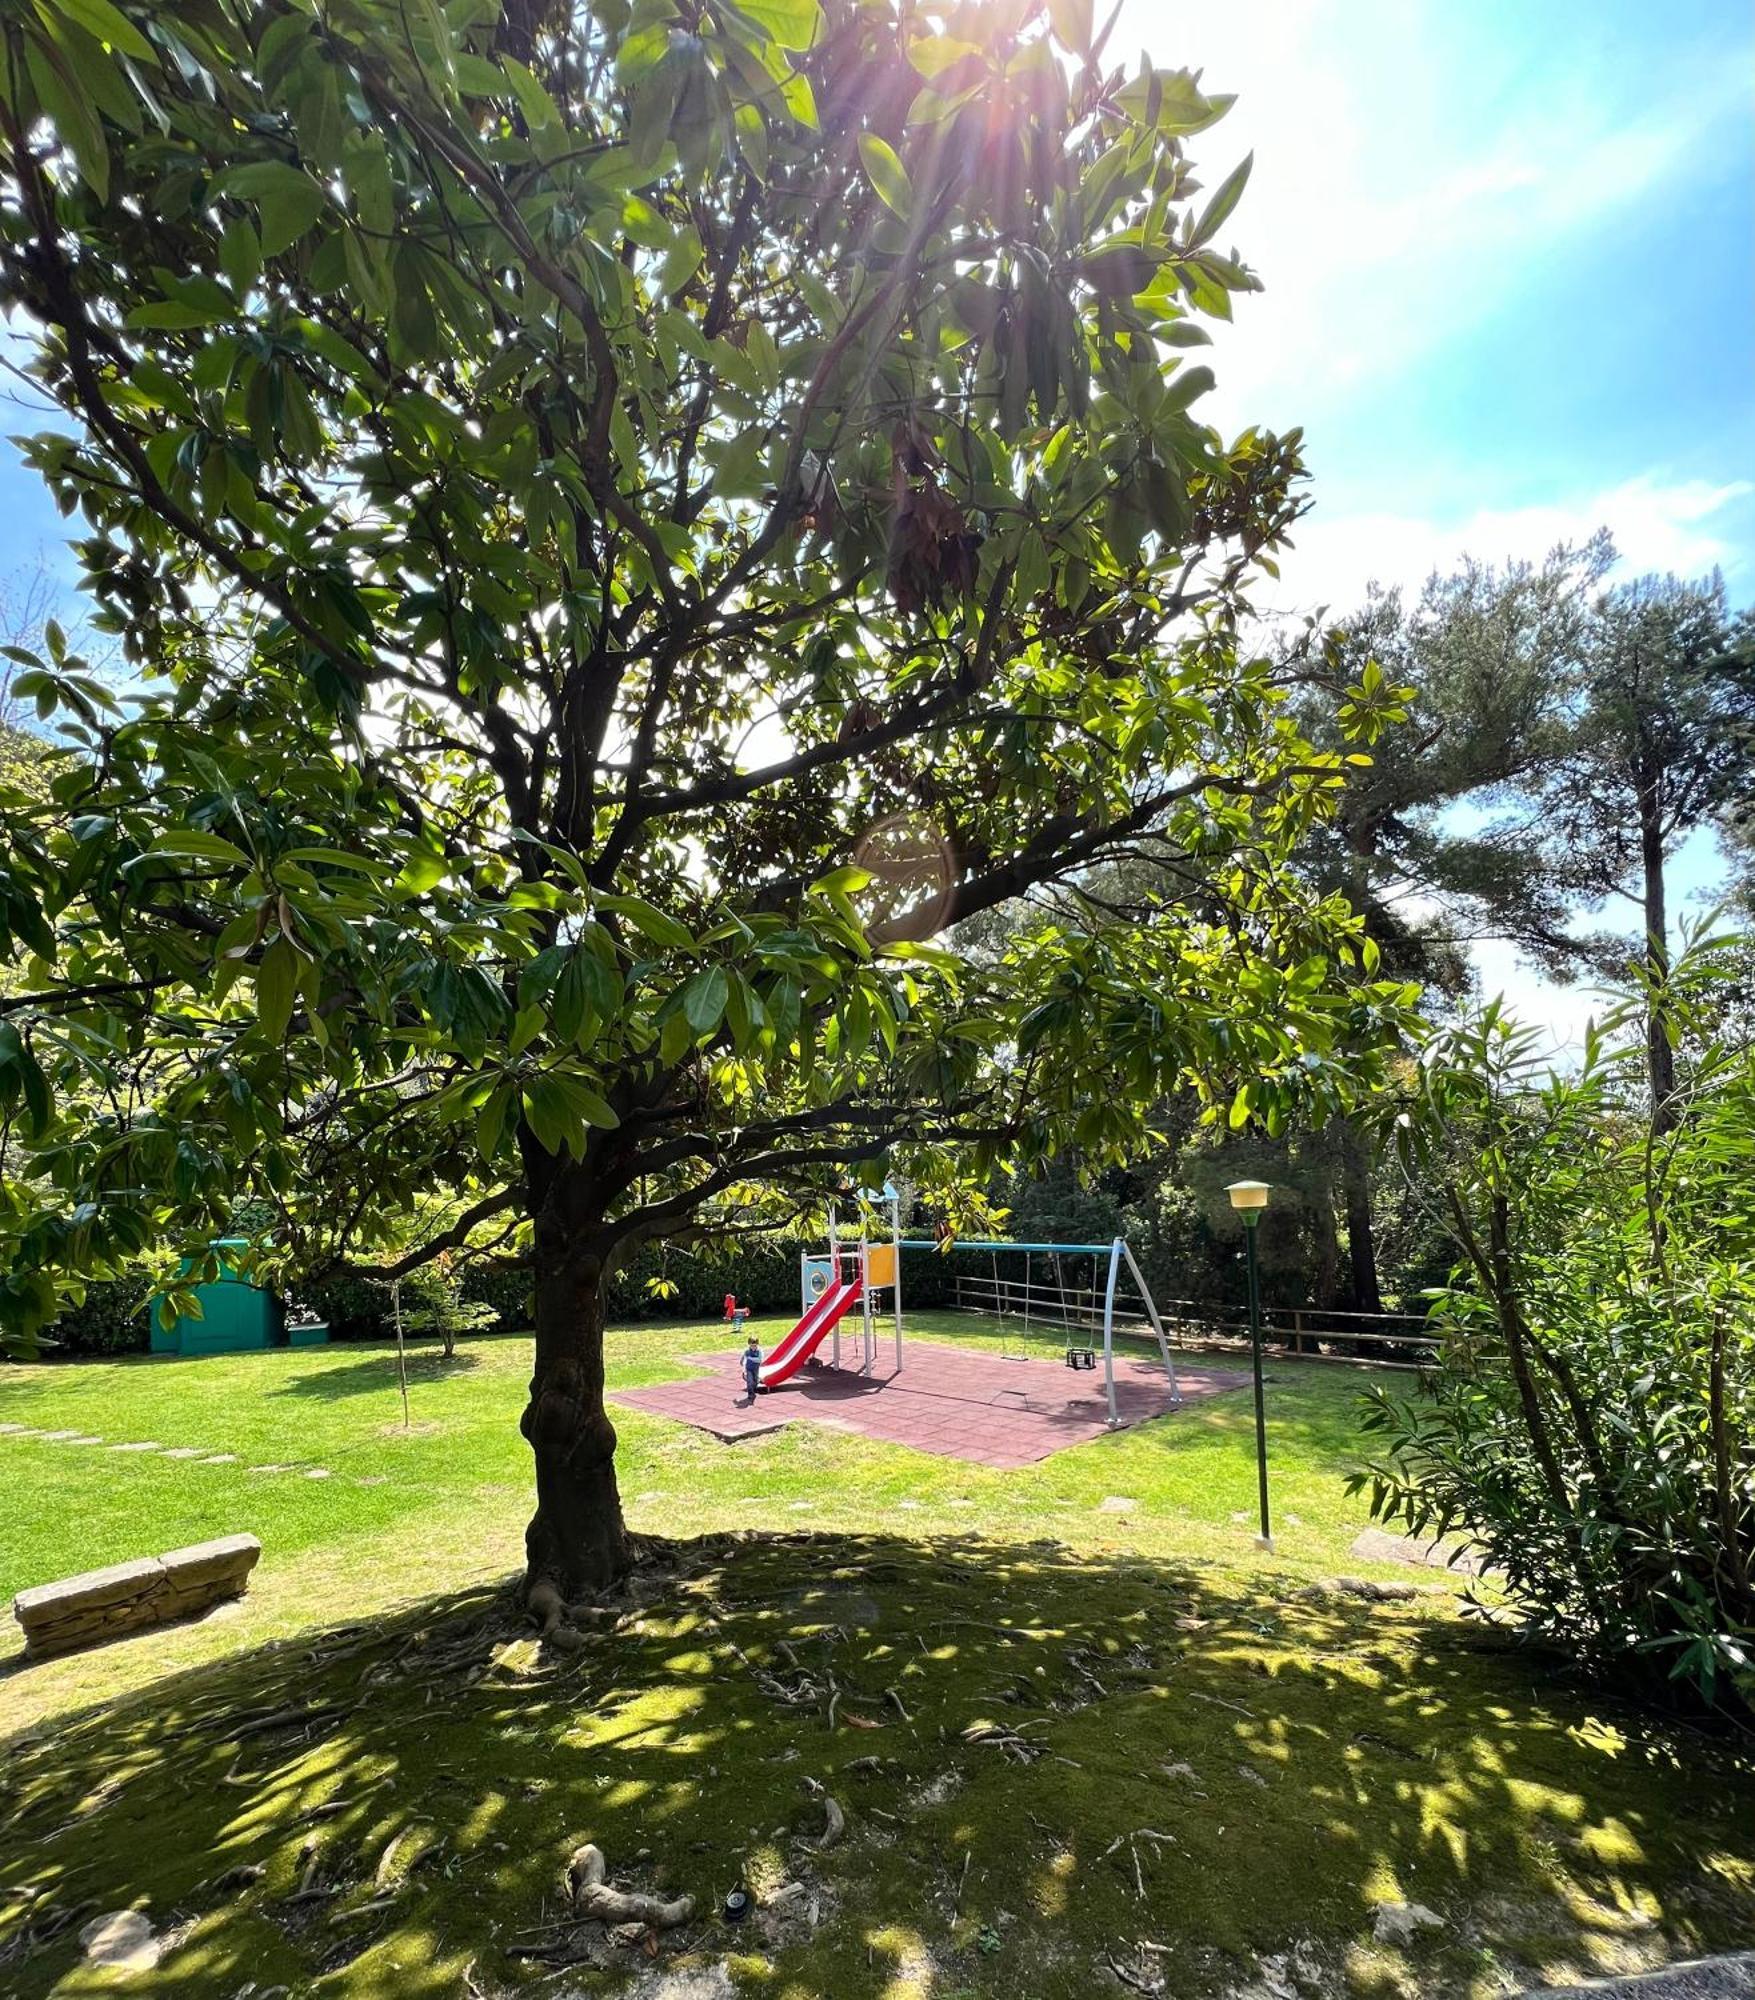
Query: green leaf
(932,55)
(681,262)
(533,100)
(794,24)
(1225,198)
(277,979)
(200,846)
(1072,24)
(530,1023)
(21,1074)
(592,1107)
(338,857)
(703,1000)
(70,110)
(171,316)
(886,173)
(240,254)
(289,201)
(108,24)
(490,1121)
(1185,385)
(424,869)
(651,923)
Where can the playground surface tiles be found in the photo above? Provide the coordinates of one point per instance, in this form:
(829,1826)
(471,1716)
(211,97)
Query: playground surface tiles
(952,1402)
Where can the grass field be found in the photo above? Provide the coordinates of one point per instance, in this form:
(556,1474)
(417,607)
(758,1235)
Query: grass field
(1087,1738)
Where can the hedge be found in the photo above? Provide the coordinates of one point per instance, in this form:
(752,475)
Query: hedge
(111,1319)
(356,1304)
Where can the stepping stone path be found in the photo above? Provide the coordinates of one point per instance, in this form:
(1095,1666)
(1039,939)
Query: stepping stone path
(1376,1546)
(1116,1503)
(199,1453)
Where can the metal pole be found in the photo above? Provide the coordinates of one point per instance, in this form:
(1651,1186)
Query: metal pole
(867,1317)
(1249,1224)
(835,1276)
(896,1273)
(1115,1250)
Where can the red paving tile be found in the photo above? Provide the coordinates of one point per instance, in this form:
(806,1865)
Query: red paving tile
(962,1403)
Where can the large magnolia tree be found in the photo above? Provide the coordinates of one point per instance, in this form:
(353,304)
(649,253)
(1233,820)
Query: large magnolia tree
(629,525)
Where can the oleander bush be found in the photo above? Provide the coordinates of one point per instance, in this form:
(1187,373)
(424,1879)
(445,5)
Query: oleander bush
(1590,1425)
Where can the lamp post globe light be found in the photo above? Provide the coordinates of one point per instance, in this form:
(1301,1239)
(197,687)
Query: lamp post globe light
(1249,1198)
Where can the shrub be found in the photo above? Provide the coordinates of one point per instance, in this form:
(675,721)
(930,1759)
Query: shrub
(355,1301)
(1590,1425)
(435,1303)
(110,1319)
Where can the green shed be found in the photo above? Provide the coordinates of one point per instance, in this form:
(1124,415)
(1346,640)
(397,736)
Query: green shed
(235,1315)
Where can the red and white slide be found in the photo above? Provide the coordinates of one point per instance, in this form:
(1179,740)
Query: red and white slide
(789,1355)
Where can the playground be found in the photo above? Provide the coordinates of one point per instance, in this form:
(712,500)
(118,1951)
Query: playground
(845,1363)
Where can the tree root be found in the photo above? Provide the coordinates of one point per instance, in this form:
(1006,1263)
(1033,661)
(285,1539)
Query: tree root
(547,1606)
(595,1900)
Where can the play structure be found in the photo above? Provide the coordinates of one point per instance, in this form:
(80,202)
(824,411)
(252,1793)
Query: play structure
(856,1273)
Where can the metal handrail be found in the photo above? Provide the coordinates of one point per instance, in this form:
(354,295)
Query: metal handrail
(1081,1307)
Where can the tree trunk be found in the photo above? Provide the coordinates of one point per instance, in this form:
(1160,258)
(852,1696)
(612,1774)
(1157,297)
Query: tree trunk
(1361,1228)
(576,1542)
(1660,1057)
(1326,1250)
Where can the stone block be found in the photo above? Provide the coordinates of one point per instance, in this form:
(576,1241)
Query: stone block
(128,1597)
(228,1559)
(95,1588)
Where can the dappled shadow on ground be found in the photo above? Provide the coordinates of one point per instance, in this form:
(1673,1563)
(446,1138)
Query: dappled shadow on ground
(1046,1763)
(375,1374)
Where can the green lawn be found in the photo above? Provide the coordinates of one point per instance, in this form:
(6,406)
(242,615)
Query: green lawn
(1041,1663)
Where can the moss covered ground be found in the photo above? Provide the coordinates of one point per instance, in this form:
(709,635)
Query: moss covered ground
(1086,1739)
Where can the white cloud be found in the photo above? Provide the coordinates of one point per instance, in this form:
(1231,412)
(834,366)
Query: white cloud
(1658,524)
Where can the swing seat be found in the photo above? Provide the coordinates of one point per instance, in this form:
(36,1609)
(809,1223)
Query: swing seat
(1081,1357)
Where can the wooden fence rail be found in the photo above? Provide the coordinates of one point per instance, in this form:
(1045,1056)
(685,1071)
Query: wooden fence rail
(1390,1339)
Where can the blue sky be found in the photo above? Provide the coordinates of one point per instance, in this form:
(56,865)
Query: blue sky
(1509,249)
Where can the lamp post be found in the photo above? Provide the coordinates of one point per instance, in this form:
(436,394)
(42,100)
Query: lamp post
(1249,1198)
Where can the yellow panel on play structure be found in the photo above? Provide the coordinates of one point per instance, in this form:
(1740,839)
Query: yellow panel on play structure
(880,1265)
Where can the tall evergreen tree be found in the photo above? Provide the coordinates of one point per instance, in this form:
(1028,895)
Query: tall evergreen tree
(1660,729)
